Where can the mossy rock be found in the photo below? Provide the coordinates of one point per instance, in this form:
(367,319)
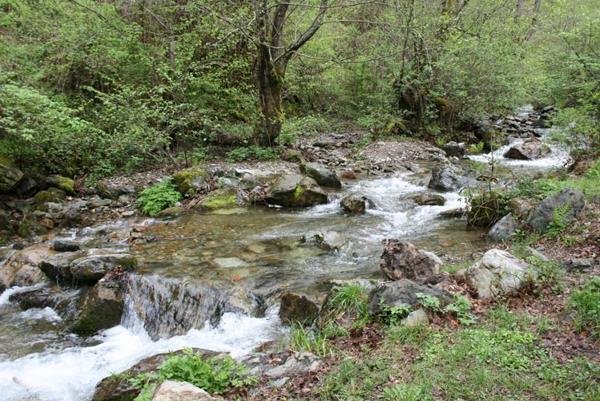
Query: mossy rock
(64,183)
(191,180)
(101,309)
(9,175)
(50,195)
(220,199)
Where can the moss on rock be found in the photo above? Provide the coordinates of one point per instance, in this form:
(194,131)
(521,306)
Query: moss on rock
(220,199)
(191,180)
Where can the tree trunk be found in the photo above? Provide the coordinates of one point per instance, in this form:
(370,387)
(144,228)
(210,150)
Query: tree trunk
(269,80)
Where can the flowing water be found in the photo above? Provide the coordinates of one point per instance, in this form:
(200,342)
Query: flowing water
(212,281)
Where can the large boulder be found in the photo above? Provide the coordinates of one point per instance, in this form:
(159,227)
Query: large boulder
(191,181)
(220,199)
(297,308)
(403,260)
(354,203)
(498,273)
(565,206)
(401,293)
(63,183)
(293,190)
(118,387)
(504,229)
(101,308)
(530,149)
(455,149)
(9,176)
(51,195)
(21,268)
(58,267)
(170,390)
(65,246)
(446,177)
(322,175)
(88,270)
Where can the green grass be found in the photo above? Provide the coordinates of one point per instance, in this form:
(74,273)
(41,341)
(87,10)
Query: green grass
(350,300)
(315,341)
(586,304)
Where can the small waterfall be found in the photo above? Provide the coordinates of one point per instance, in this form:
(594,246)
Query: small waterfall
(166,307)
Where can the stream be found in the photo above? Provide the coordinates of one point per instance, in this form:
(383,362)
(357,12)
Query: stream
(239,263)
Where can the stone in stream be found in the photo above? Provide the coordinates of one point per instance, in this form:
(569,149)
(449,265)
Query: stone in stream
(21,268)
(401,293)
(63,302)
(101,307)
(355,203)
(504,229)
(446,178)
(294,190)
(498,273)
(65,246)
(297,308)
(170,390)
(429,199)
(330,240)
(564,206)
(322,175)
(118,387)
(530,149)
(403,260)
(454,149)
(89,269)
(220,199)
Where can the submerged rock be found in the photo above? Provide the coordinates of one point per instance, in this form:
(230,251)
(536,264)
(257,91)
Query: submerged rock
(504,229)
(330,240)
(530,149)
(293,190)
(322,175)
(355,203)
(446,178)
(403,260)
(564,206)
(170,390)
(498,273)
(101,308)
(297,308)
(401,293)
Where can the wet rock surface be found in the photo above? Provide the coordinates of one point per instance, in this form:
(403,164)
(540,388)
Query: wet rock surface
(101,308)
(322,175)
(355,203)
(297,308)
(531,149)
(446,177)
(295,190)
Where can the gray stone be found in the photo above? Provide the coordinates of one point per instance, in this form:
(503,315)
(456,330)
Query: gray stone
(446,178)
(170,390)
(416,318)
(504,229)
(569,202)
(498,273)
(530,149)
(401,293)
(330,240)
(88,270)
(293,190)
(322,175)
(296,364)
(101,309)
(456,149)
(403,260)
(21,268)
(65,246)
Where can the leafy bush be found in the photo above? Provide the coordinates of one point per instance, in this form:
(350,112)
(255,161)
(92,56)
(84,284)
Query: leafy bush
(251,152)
(215,375)
(486,208)
(158,197)
(586,303)
(294,128)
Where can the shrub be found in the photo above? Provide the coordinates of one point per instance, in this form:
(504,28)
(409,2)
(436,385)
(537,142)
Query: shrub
(293,128)
(350,300)
(486,208)
(215,375)
(586,303)
(251,152)
(158,197)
